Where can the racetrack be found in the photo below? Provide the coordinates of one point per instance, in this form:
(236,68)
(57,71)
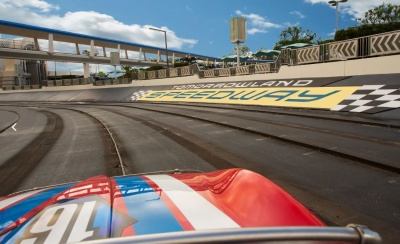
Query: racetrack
(344,167)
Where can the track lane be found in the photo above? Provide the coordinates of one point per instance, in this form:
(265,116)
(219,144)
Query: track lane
(150,147)
(20,165)
(361,131)
(339,190)
(80,149)
(366,152)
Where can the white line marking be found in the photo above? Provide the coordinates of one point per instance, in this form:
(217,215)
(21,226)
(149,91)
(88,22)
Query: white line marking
(261,139)
(7,202)
(305,154)
(201,213)
(14,126)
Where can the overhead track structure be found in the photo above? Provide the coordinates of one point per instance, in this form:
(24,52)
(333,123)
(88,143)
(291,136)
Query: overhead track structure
(52,35)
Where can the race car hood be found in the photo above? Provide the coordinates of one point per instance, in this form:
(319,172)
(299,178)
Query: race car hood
(102,207)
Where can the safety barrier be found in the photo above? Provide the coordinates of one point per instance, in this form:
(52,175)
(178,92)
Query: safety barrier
(162,73)
(186,71)
(368,46)
(343,50)
(142,75)
(209,73)
(224,72)
(173,72)
(387,43)
(262,68)
(17,44)
(152,75)
(308,55)
(26,87)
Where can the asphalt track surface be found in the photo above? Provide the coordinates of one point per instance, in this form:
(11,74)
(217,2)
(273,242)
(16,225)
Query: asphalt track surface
(343,167)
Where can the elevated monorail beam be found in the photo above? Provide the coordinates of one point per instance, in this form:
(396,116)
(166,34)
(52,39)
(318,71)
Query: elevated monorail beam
(66,57)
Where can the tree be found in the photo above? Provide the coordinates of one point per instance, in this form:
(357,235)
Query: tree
(294,34)
(320,41)
(86,52)
(243,50)
(384,13)
(102,74)
(129,71)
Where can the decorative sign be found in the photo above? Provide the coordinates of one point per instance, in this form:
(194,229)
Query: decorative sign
(310,97)
(238,30)
(114,57)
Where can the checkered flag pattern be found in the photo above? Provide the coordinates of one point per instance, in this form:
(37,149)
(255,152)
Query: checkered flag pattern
(371,99)
(137,95)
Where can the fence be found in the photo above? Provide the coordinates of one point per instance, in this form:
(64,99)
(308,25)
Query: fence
(194,69)
(17,44)
(368,46)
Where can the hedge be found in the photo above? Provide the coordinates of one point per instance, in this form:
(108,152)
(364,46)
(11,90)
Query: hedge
(365,30)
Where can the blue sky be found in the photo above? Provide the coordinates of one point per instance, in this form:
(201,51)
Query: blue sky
(193,26)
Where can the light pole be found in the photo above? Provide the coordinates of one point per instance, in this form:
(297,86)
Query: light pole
(336,3)
(166,46)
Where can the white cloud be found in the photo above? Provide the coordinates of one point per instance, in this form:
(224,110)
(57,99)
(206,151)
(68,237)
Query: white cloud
(332,34)
(291,24)
(298,14)
(253,31)
(356,8)
(257,20)
(89,23)
(257,23)
(35,4)
(41,13)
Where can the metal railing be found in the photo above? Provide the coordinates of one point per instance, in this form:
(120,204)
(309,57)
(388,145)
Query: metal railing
(209,73)
(368,46)
(17,44)
(374,45)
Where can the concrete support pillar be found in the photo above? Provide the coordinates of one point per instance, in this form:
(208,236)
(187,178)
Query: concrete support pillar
(51,44)
(158,56)
(173,58)
(77,49)
(92,48)
(37,47)
(119,48)
(104,52)
(140,54)
(126,54)
(144,56)
(86,70)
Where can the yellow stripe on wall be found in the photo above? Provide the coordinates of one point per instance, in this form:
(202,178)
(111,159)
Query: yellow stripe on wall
(305,97)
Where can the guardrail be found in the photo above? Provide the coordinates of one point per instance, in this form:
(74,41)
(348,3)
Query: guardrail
(209,73)
(17,44)
(368,46)
(374,45)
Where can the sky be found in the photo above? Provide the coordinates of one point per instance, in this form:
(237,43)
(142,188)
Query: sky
(199,27)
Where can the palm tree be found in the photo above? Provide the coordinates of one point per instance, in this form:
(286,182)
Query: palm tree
(129,71)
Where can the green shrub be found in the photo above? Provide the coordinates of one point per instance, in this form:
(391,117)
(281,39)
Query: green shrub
(365,30)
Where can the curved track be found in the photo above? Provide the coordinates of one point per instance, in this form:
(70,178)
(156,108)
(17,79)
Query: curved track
(345,168)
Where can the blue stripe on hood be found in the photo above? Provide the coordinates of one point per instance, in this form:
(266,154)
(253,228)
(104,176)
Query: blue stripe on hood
(15,212)
(145,205)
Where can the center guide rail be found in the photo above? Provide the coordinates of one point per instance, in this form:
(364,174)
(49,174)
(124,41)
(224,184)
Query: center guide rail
(351,234)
